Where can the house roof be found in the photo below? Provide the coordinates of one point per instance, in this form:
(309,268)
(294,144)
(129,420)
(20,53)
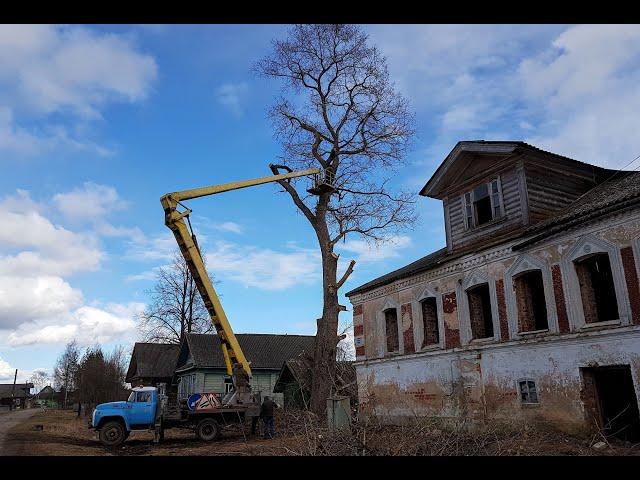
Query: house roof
(621,189)
(500,148)
(299,368)
(153,360)
(263,350)
(6,388)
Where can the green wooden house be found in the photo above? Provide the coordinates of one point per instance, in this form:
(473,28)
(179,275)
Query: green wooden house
(200,367)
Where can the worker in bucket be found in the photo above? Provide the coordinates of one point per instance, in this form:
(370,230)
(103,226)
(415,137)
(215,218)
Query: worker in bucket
(266,413)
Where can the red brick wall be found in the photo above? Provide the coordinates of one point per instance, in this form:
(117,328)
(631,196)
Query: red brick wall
(407,333)
(357,310)
(558,293)
(631,277)
(502,310)
(450,306)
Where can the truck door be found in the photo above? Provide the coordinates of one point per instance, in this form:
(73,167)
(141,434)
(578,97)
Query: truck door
(143,411)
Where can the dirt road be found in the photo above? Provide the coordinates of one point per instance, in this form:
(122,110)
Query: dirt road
(9,420)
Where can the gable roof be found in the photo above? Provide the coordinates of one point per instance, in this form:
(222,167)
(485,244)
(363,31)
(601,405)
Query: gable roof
(152,360)
(20,391)
(299,368)
(442,176)
(263,350)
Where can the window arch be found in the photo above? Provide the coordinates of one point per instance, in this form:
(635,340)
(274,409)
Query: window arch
(529,296)
(478,313)
(593,276)
(429,334)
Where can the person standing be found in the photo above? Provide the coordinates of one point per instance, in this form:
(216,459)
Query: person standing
(266,413)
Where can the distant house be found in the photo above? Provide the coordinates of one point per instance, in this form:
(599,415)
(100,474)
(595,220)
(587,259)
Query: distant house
(20,394)
(294,381)
(201,368)
(152,363)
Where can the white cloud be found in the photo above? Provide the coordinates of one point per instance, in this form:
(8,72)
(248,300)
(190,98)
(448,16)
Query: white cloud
(54,69)
(262,267)
(586,86)
(232,97)
(24,299)
(6,371)
(230,227)
(69,71)
(375,251)
(45,248)
(574,90)
(90,202)
(87,325)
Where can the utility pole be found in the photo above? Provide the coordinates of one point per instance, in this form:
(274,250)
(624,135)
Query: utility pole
(13,390)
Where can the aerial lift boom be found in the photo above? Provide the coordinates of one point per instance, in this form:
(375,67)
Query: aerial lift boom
(234,358)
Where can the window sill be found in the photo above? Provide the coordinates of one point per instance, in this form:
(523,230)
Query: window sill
(530,405)
(533,333)
(482,340)
(596,325)
(475,228)
(433,346)
(392,354)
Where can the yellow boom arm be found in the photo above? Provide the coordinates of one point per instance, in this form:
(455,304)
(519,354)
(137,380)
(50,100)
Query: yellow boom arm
(189,248)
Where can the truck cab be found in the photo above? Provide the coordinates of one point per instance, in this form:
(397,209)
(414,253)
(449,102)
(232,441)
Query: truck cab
(115,420)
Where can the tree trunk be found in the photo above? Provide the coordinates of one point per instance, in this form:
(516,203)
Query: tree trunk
(324,358)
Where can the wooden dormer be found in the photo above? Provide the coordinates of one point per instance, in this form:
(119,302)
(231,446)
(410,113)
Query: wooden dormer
(493,190)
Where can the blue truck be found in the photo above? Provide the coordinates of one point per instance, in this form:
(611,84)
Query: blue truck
(147,409)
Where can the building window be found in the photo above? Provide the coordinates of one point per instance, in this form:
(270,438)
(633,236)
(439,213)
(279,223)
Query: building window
(430,321)
(598,293)
(483,204)
(530,300)
(228,385)
(480,311)
(528,391)
(391,324)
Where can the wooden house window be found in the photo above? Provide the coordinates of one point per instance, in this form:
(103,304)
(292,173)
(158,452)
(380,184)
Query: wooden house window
(391,324)
(483,204)
(430,321)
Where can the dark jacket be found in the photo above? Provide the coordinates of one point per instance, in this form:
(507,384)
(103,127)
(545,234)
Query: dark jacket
(267,408)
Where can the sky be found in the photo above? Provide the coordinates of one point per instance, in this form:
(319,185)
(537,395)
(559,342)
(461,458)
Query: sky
(97,122)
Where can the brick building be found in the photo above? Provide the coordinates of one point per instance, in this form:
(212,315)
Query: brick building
(531,312)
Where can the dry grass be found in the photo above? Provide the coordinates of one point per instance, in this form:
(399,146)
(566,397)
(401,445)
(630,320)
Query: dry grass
(301,433)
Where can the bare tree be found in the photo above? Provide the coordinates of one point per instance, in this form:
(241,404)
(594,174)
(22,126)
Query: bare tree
(176,307)
(345,118)
(65,370)
(40,379)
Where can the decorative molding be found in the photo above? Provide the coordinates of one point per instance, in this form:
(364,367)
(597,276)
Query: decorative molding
(586,246)
(527,263)
(418,320)
(476,278)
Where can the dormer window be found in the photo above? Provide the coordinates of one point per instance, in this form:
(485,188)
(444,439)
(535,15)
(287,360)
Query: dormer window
(483,204)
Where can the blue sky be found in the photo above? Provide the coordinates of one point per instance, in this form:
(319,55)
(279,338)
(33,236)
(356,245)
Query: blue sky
(97,122)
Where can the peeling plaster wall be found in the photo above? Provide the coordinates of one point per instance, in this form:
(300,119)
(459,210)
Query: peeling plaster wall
(461,377)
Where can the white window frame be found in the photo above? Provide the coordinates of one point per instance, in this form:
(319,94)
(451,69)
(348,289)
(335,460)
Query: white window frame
(586,246)
(474,219)
(464,318)
(390,304)
(428,292)
(528,263)
(519,389)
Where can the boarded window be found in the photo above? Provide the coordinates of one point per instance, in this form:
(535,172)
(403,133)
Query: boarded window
(596,288)
(528,391)
(532,307)
(391,323)
(430,321)
(480,311)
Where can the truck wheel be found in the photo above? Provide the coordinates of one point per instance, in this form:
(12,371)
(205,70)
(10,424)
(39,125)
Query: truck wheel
(208,429)
(112,434)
